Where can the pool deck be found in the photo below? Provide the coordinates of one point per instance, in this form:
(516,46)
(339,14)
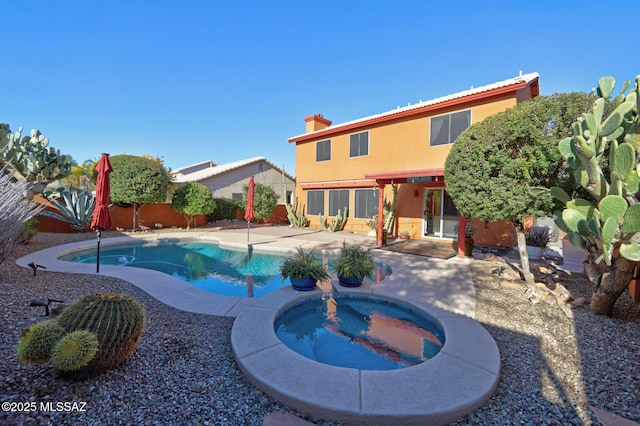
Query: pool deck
(456,381)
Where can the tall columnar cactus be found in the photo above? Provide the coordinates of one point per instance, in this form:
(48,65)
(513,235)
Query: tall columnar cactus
(337,223)
(608,226)
(31,157)
(296,215)
(96,333)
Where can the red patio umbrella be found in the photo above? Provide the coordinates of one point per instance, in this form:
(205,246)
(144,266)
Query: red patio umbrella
(101,219)
(248,214)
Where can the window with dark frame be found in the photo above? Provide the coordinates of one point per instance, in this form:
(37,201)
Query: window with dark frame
(323,150)
(315,202)
(359,144)
(365,203)
(338,200)
(446,128)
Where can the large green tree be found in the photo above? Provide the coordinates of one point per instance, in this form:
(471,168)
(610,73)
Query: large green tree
(138,181)
(191,200)
(494,164)
(265,200)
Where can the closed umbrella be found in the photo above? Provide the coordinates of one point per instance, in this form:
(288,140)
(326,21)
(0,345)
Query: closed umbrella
(248,214)
(101,219)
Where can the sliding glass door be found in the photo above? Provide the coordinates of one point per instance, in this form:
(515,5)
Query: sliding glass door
(439,214)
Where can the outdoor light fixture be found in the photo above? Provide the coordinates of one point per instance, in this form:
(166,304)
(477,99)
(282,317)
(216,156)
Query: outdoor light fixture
(36,302)
(35,267)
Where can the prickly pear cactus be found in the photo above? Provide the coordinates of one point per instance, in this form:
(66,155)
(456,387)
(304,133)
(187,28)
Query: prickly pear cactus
(31,157)
(117,321)
(608,226)
(36,342)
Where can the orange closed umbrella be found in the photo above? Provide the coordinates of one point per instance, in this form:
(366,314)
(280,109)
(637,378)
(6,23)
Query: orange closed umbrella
(101,219)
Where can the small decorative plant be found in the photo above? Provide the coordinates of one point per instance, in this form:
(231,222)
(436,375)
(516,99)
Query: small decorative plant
(538,236)
(469,231)
(405,235)
(303,265)
(354,264)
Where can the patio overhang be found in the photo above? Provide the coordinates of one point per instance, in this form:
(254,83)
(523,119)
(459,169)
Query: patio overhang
(427,176)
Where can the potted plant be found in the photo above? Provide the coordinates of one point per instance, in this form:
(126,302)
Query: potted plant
(537,238)
(354,264)
(303,269)
(404,235)
(469,232)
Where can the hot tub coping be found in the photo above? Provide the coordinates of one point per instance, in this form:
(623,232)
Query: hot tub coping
(460,378)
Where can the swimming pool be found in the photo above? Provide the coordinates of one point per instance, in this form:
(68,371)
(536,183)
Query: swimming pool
(205,265)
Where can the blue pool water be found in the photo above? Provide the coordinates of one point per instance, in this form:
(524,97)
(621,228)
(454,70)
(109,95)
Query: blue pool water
(365,333)
(201,264)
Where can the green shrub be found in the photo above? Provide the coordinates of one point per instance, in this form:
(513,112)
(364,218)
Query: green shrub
(225,210)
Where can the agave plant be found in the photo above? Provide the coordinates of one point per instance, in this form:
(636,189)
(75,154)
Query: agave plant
(76,210)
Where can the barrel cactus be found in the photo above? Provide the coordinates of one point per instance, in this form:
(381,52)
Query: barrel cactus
(74,351)
(37,341)
(116,320)
(94,334)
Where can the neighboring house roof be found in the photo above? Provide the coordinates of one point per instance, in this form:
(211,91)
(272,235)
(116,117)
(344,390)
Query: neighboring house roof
(194,167)
(470,95)
(218,170)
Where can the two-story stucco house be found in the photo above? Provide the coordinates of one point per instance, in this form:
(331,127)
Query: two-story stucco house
(356,164)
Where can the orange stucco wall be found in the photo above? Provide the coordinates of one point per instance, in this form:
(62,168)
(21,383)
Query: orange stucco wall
(393,146)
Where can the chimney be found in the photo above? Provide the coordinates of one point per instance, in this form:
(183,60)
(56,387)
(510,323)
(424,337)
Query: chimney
(316,122)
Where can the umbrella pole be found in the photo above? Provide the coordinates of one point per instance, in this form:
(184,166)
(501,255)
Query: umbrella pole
(98,257)
(248,224)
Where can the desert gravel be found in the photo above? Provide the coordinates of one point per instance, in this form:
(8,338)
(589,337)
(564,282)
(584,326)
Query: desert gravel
(554,368)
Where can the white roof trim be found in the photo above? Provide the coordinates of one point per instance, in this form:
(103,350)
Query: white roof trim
(527,78)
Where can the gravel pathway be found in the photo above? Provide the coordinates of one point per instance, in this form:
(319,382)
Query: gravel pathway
(183,372)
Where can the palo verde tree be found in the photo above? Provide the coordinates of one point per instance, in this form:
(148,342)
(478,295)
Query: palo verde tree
(138,181)
(265,200)
(493,165)
(191,200)
(603,152)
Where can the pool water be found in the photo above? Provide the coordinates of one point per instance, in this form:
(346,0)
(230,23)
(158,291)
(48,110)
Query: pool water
(365,333)
(202,264)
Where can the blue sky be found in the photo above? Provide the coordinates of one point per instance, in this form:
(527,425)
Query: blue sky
(190,81)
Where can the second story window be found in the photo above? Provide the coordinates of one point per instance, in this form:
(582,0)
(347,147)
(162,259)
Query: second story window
(446,128)
(359,144)
(323,150)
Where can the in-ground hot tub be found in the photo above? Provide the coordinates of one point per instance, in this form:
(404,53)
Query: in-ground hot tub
(366,333)
(454,382)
